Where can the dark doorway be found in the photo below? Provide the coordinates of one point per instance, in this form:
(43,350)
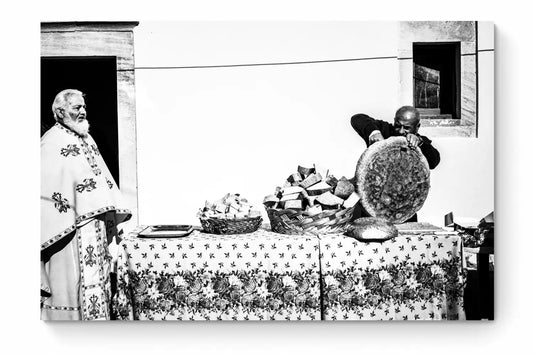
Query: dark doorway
(96,77)
(437,78)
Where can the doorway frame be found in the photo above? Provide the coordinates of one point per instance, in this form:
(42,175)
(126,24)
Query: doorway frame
(86,39)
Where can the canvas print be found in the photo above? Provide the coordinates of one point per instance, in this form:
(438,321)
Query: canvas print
(302,171)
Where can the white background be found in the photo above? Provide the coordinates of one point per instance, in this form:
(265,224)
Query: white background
(203,132)
(19,181)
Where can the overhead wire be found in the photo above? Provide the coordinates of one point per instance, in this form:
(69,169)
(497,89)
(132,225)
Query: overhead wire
(283,63)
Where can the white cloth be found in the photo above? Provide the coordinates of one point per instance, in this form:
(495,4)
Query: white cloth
(81,208)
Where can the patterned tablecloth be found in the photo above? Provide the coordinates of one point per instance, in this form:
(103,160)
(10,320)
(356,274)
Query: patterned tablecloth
(257,276)
(416,276)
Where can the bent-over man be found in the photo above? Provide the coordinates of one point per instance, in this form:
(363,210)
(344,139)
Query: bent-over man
(80,210)
(406,123)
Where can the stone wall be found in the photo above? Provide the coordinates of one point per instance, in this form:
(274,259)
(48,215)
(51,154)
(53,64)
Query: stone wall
(443,31)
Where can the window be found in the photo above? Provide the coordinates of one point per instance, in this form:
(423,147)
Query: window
(437,80)
(437,61)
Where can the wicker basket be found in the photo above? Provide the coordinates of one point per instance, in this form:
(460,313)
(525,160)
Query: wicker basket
(231,226)
(298,222)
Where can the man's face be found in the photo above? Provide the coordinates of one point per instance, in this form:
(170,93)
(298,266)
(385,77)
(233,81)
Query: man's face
(406,123)
(75,116)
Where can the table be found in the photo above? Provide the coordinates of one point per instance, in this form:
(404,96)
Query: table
(268,276)
(257,276)
(416,276)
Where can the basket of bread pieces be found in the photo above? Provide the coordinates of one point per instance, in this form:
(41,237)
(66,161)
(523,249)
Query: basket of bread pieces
(231,214)
(311,201)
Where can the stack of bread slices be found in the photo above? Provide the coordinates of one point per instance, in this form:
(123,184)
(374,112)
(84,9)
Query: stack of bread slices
(312,191)
(231,206)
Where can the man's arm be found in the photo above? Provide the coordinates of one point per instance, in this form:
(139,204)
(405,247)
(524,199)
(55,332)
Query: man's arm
(367,127)
(431,153)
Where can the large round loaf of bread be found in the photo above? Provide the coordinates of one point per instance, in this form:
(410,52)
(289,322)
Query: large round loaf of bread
(392,179)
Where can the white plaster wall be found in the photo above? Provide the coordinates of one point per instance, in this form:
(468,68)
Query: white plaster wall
(204,132)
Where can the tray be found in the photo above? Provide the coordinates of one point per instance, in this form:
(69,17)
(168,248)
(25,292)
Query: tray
(372,229)
(166,231)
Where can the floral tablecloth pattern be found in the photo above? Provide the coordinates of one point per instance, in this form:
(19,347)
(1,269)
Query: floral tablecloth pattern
(416,276)
(256,276)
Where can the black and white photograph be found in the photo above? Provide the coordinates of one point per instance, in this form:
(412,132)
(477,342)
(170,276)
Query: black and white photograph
(252,177)
(267,171)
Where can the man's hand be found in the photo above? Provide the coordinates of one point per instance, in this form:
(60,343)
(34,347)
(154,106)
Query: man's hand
(374,137)
(413,140)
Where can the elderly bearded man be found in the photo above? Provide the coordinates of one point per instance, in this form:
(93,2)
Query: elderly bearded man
(406,123)
(80,210)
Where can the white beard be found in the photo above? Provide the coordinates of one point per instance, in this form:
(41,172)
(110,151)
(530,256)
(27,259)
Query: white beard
(81,128)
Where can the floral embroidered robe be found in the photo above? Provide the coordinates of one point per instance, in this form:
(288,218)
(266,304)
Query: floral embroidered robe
(80,210)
